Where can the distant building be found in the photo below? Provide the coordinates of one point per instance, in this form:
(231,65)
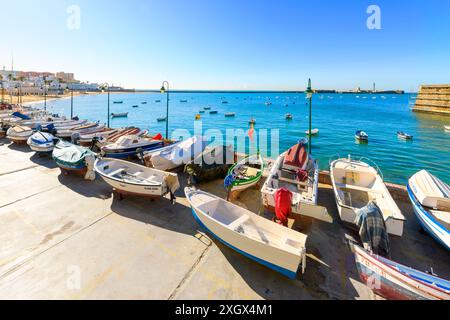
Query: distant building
(65,77)
(83,86)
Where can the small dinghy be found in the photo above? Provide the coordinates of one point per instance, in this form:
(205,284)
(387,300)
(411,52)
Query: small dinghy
(447,128)
(207,108)
(19,134)
(131,178)
(394,281)
(157,101)
(135,106)
(201,111)
(268,103)
(214,112)
(361,136)
(252,121)
(183,101)
(245,173)
(127,146)
(298,173)
(119,115)
(313,132)
(211,164)
(356,184)
(404,135)
(118,102)
(289,116)
(161,119)
(41,142)
(430,198)
(268,243)
(224,102)
(178,154)
(230,114)
(70,157)
(144,102)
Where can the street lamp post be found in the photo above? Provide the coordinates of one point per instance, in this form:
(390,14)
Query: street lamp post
(103,87)
(166,90)
(45,93)
(71,103)
(309,94)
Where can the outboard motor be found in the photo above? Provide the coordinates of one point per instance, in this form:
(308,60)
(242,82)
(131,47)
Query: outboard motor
(76,118)
(75,137)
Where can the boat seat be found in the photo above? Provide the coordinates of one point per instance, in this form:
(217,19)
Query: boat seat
(252,172)
(443,218)
(298,183)
(117,171)
(353,187)
(239,221)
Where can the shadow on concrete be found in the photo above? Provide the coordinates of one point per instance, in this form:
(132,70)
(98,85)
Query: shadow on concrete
(90,189)
(44,159)
(20,147)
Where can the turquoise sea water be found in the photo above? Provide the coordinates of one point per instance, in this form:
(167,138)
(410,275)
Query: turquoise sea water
(337,116)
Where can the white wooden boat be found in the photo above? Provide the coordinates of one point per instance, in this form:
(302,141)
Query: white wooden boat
(430,198)
(285,174)
(313,132)
(177,155)
(394,281)
(83,129)
(41,142)
(447,128)
(255,237)
(404,135)
(131,178)
(230,114)
(361,136)
(355,185)
(119,115)
(130,145)
(245,173)
(19,134)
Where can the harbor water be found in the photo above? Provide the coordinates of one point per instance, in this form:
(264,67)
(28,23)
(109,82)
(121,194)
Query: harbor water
(337,116)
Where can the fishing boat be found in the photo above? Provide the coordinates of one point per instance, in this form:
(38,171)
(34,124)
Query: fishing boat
(86,140)
(119,115)
(135,106)
(211,164)
(102,140)
(157,101)
(268,243)
(356,184)
(214,112)
(230,114)
(289,116)
(404,135)
(314,132)
(130,145)
(225,102)
(80,130)
(178,154)
(298,172)
(395,281)
(73,158)
(245,173)
(201,111)
(131,178)
(183,101)
(19,134)
(361,136)
(268,103)
(162,119)
(447,128)
(41,142)
(252,121)
(430,198)
(118,102)
(144,102)
(207,108)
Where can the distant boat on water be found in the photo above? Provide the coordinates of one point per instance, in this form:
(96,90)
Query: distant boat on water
(404,135)
(268,103)
(214,112)
(157,101)
(161,119)
(135,106)
(313,132)
(230,114)
(207,108)
(144,102)
(289,116)
(361,136)
(183,101)
(224,102)
(119,115)
(118,102)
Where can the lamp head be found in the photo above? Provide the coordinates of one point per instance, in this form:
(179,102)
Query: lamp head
(163,90)
(309,91)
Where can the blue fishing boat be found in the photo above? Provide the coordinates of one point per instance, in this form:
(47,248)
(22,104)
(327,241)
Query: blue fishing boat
(430,198)
(130,145)
(41,142)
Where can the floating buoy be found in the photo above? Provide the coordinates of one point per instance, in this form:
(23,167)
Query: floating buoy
(198,117)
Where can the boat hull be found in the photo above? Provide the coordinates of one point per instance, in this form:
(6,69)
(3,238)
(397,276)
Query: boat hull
(389,283)
(128,152)
(426,220)
(277,260)
(136,189)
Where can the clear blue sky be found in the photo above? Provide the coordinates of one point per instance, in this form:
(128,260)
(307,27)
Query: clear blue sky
(231,44)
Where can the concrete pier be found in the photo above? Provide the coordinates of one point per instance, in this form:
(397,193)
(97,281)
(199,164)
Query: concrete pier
(65,238)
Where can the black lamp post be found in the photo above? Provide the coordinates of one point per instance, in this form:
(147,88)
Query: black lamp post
(106,85)
(309,94)
(45,93)
(71,103)
(166,90)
